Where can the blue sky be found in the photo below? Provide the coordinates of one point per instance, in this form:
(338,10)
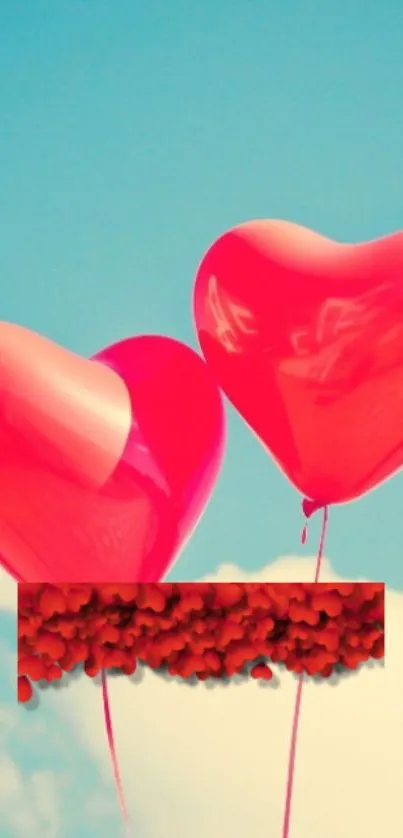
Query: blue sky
(134,133)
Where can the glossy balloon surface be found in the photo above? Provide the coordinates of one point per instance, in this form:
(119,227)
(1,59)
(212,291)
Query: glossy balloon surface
(106,464)
(305,336)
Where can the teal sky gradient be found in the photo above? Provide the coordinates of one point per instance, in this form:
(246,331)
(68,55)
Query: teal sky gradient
(132,134)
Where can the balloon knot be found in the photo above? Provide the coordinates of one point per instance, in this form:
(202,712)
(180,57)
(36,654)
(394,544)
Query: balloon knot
(309,507)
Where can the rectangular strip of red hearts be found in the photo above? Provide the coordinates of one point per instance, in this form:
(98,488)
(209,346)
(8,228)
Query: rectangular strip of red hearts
(197,629)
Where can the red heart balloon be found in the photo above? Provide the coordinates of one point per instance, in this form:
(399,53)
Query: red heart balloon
(106,464)
(305,336)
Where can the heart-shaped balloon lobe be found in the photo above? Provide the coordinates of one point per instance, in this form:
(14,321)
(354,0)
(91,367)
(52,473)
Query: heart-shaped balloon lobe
(305,337)
(106,464)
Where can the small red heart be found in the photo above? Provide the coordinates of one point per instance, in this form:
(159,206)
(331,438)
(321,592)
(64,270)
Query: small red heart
(305,336)
(106,465)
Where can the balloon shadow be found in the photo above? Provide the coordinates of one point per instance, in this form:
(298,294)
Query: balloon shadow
(338,675)
(210,683)
(44,686)
(342,673)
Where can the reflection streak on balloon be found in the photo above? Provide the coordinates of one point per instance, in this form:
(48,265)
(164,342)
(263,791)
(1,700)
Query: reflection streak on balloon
(318,376)
(106,464)
(229,317)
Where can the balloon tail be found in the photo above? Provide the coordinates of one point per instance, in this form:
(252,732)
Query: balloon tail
(296,717)
(298,699)
(114,759)
(309,507)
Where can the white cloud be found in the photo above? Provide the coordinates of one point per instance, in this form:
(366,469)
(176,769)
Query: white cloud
(8,716)
(8,592)
(29,804)
(284,569)
(10,779)
(205,761)
(202,761)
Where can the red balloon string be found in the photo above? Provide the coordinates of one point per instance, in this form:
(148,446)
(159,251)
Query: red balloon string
(298,698)
(296,716)
(114,759)
(309,507)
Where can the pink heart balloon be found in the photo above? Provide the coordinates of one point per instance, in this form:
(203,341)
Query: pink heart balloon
(305,337)
(106,464)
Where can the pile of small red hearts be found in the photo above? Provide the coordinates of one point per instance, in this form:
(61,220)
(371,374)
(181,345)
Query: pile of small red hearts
(208,630)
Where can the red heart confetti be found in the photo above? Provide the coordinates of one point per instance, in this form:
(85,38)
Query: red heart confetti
(206,630)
